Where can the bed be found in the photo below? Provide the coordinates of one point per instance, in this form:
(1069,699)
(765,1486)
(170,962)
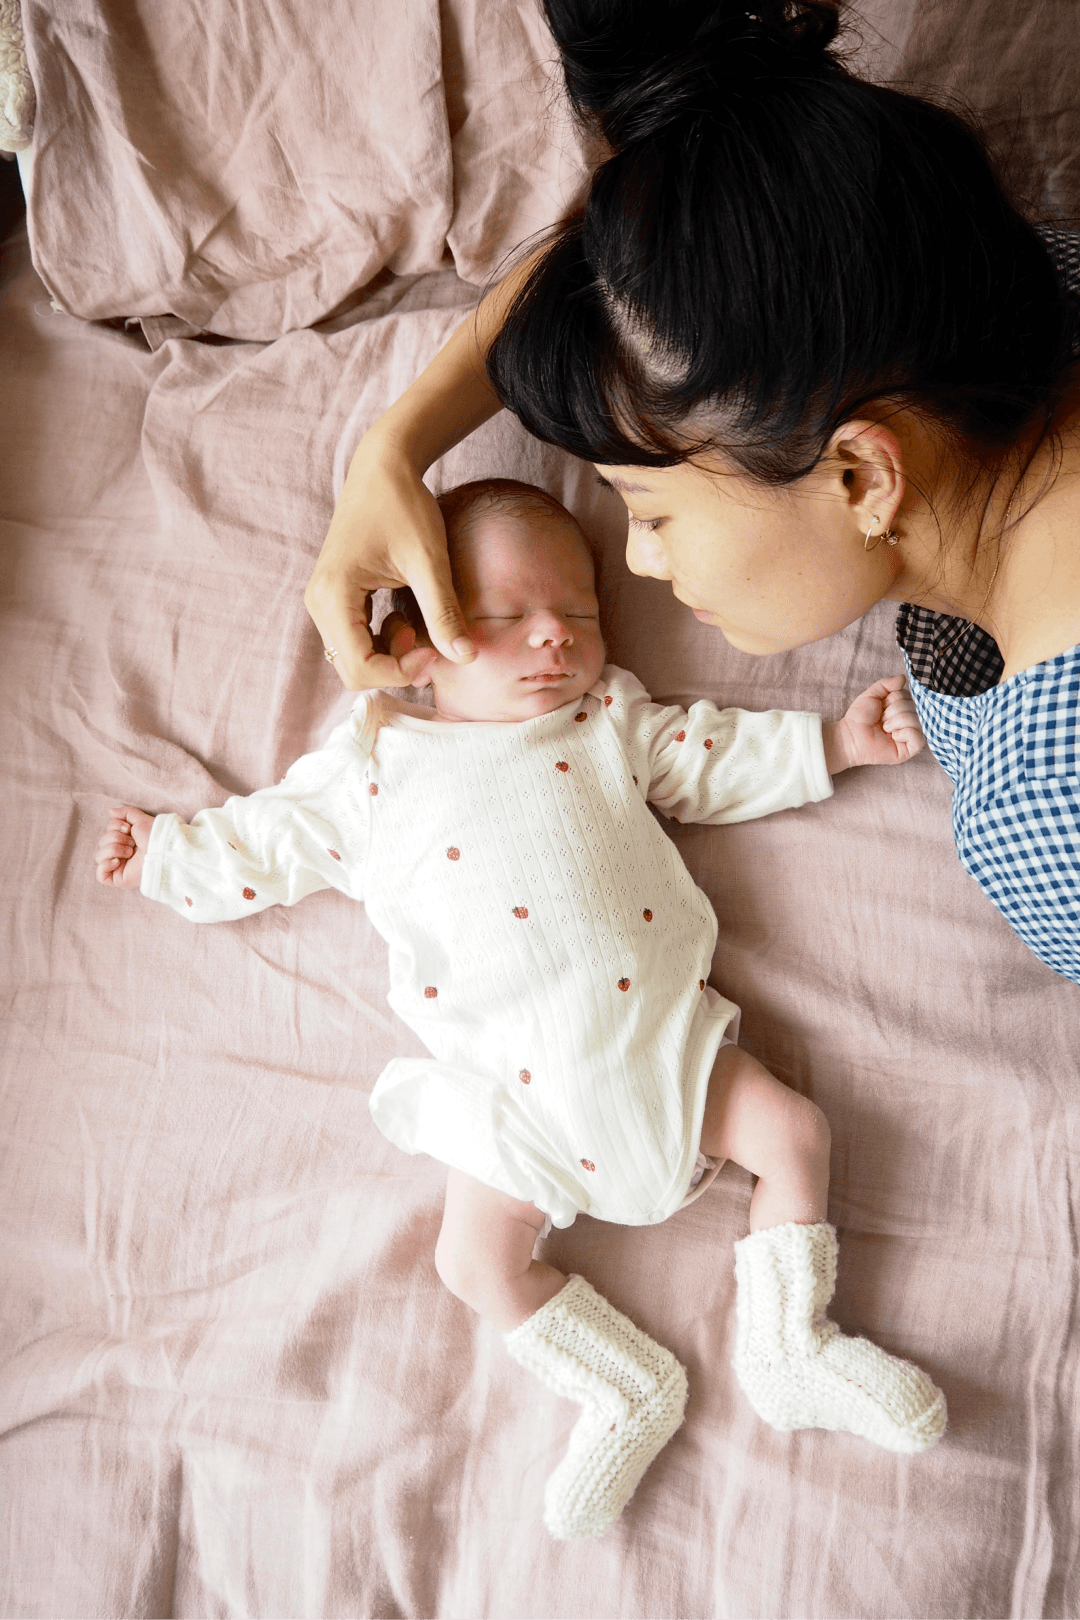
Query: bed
(231,1383)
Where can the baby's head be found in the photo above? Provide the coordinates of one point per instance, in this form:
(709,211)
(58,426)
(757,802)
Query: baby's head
(524,577)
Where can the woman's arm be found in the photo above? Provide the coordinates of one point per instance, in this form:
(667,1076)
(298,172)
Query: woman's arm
(387,529)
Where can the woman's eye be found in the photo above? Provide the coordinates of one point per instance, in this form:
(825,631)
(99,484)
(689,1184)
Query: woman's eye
(649,524)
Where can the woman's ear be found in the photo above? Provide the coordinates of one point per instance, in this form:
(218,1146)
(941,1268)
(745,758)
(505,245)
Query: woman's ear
(869,465)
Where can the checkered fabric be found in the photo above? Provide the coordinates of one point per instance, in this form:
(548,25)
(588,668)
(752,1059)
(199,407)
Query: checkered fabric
(1013,753)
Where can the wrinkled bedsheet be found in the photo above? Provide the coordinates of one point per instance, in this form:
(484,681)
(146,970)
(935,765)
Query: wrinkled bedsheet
(231,1382)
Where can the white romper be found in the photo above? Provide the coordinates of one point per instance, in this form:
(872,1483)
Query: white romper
(547,943)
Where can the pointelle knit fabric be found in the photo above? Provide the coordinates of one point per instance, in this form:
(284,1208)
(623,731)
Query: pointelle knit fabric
(547,943)
(632,1391)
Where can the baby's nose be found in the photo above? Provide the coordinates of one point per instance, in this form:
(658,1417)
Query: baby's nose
(549,629)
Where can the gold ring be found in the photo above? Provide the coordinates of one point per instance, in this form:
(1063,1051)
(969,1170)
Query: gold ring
(329,653)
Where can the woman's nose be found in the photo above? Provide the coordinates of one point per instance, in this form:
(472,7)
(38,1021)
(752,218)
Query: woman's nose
(549,630)
(645,556)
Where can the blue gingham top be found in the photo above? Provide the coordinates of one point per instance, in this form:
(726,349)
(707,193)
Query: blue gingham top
(1013,753)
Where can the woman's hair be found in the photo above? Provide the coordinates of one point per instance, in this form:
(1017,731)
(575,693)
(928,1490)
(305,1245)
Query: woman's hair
(773,244)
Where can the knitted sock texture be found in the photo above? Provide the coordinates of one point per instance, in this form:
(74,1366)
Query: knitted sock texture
(798,1370)
(632,1392)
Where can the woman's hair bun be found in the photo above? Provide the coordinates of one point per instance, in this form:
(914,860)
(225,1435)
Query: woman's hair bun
(633,66)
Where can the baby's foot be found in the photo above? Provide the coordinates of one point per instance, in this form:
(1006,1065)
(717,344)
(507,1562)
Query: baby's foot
(633,1392)
(799,1371)
(122,847)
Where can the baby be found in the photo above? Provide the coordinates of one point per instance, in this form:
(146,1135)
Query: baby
(551,950)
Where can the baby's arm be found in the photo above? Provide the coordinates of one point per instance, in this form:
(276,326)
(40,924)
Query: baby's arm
(726,765)
(309,832)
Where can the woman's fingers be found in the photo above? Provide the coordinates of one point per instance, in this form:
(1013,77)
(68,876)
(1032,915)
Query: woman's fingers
(429,577)
(386,530)
(339,608)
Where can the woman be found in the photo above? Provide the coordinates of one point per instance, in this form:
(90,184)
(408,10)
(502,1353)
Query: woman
(803,334)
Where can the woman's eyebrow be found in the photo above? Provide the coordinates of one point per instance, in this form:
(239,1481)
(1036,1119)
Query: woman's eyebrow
(621,483)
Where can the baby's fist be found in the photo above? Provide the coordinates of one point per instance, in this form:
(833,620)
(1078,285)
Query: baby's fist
(880,728)
(122,847)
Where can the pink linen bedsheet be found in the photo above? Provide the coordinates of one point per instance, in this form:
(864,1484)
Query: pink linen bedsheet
(231,1382)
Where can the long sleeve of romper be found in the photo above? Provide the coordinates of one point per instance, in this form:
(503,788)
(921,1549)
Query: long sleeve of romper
(721,765)
(309,832)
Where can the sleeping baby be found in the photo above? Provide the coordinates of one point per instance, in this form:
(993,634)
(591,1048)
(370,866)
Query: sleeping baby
(552,952)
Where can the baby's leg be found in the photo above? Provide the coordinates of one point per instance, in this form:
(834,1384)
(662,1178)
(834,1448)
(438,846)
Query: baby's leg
(631,1389)
(795,1366)
(484,1253)
(756,1121)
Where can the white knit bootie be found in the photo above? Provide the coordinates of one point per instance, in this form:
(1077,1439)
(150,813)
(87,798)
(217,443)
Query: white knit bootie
(633,1392)
(798,1370)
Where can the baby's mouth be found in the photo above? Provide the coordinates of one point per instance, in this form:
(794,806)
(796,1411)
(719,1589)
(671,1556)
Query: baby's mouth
(548,677)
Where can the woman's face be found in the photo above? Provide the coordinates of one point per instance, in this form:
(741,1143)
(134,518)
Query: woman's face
(773,568)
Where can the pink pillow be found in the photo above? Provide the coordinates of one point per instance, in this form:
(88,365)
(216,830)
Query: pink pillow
(520,164)
(243,166)
(248,168)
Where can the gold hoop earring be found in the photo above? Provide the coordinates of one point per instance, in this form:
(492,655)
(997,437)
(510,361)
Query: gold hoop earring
(890,537)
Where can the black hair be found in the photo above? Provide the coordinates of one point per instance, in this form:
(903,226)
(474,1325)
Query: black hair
(773,244)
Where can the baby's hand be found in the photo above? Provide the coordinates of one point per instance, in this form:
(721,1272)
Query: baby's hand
(880,728)
(122,848)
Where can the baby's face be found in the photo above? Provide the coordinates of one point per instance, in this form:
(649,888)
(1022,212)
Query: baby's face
(527,590)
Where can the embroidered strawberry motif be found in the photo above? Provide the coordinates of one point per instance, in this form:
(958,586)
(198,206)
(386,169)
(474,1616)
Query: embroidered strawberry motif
(561,765)
(587,1164)
(334,853)
(647,914)
(581,715)
(430,992)
(607,701)
(624,984)
(453,853)
(187,900)
(635,781)
(373,789)
(524,1076)
(708,742)
(680,736)
(521,912)
(249,894)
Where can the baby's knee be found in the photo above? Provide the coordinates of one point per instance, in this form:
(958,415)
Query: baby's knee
(812,1129)
(456,1267)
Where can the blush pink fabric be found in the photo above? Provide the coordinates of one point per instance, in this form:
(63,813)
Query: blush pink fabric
(231,1382)
(248,169)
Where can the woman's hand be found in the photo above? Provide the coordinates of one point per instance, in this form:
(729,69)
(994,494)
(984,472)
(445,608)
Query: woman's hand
(386,530)
(880,728)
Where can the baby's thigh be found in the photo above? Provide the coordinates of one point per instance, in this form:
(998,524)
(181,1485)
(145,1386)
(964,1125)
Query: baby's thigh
(484,1230)
(753,1119)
